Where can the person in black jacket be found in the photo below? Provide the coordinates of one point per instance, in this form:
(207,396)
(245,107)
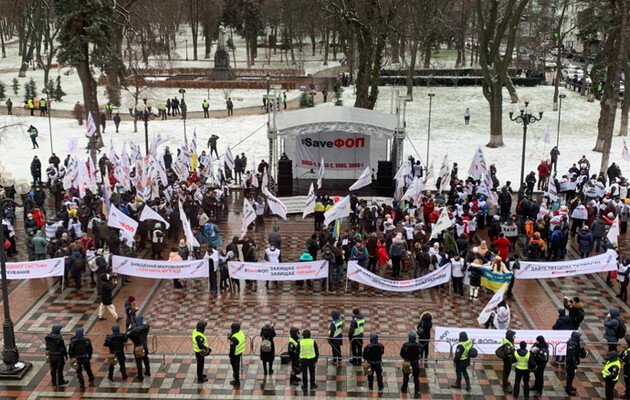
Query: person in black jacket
(201,348)
(267,353)
(81,349)
(116,343)
(410,352)
(540,353)
(373,355)
(462,361)
(138,335)
(294,355)
(424,333)
(575,352)
(108,284)
(57,354)
(355,336)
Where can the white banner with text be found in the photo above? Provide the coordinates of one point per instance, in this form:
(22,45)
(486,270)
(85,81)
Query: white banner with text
(559,269)
(339,150)
(35,269)
(359,274)
(160,269)
(295,271)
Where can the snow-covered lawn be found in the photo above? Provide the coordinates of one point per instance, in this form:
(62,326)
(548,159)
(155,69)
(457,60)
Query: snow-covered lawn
(449,135)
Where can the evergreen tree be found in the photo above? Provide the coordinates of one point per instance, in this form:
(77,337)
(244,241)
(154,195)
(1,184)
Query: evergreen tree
(15,85)
(3,90)
(58,93)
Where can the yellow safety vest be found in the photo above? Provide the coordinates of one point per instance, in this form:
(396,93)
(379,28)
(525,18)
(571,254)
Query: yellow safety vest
(195,335)
(31,104)
(338,328)
(319,206)
(292,341)
(328,207)
(505,341)
(240,347)
(360,327)
(42,103)
(307,349)
(522,361)
(606,371)
(467,345)
(205,104)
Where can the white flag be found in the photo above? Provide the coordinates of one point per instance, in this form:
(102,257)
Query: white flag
(249,215)
(265,180)
(478,165)
(340,210)
(445,173)
(552,190)
(229,158)
(320,174)
(625,154)
(403,171)
(73,145)
(414,191)
(90,126)
(149,213)
(190,238)
(117,219)
(275,205)
(486,186)
(613,232)
(547,137)
(364,180)
(442,224)
(492,305)
(309,207)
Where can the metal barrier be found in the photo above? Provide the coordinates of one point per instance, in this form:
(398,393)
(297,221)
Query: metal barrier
(596,352)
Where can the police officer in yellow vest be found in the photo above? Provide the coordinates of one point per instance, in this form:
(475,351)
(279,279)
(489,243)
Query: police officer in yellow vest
(43,107)
(237,347)
(319,212)
(309,353)
(524,363)
(508,343)
(610,373)
(201,348)
(335,336)
(31,106)
(205,105)
(625,359)
(462,361)
(355,335)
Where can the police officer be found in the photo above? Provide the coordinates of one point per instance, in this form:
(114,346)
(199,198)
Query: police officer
(540,352)
(116,343)
(57,354)
(205,106)
(625,358)
(138,336)
(373,355)
(335,336)
(294,355)
(575,352)
(237,347)
(410,353)
(524,363)
(31,106)
(33,133)
(462,361)
(508,343)
(81,349)
(355,335)
(201,348)
(610,373)
(318,212)
(43,107)
(308,353)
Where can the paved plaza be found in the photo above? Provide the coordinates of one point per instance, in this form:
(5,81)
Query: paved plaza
(38,304)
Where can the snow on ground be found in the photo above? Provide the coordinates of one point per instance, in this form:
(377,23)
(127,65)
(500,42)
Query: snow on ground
(449,135)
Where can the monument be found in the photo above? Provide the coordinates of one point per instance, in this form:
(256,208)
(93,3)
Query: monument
(222,70)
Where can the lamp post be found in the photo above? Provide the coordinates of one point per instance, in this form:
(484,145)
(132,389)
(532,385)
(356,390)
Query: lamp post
(49,121)
(11,367)
(268,77)
(430,94)
(525,118)
(186,49)
(183,92)
(143,113)
(561,96)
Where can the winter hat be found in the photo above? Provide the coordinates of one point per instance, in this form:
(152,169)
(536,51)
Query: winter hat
(373,338)
(131,298)
(412,337)
(463,336)
(496,218)
(56,329)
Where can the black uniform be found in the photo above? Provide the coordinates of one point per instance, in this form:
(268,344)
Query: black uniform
(296,369)
(138,336)
(410,352)
(540,352)
(373,354)
(575,351)
(355,335)
(116,343)
(81,349)
(57,353)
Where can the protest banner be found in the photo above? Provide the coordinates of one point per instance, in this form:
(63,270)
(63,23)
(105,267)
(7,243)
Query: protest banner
(296,271)
(35,269)
(559,269)
(160,269)
(494,280)
(359,274)
(486,341)
(127,226)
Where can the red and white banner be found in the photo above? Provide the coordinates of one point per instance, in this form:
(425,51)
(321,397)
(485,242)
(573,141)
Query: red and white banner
(486,341)
(160,269)
(35,269)
(343,150)
(295,271)
(127,225)
(559,269)
(359,274)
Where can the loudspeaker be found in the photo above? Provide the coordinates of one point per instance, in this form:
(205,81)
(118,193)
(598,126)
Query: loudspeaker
(385,179)
(285,178)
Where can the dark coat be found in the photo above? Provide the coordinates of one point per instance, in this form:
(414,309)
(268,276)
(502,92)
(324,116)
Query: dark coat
(268,333)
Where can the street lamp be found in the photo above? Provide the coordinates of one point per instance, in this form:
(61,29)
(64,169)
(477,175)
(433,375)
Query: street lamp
(183,92)
(561,96)
(430,94)
(268,77)
(525,118)
(143,113)
(186,49)
(45,91)
(11,367)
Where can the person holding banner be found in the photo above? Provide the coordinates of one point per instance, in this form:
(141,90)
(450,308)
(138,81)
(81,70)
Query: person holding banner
(462,361)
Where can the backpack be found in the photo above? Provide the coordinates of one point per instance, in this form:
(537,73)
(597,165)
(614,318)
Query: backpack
(621,329)
(556,236)
(534,251)
(473,353)
(501,351)
(79,264)
(265,346)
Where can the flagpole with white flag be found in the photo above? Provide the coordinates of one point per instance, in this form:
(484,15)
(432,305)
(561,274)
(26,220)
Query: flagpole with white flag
(249,216)
(613,233)
(492,305)
(276,206)
(309,207)
(364,180)
(442,224)
(339,210)
(625,154)
(320,174)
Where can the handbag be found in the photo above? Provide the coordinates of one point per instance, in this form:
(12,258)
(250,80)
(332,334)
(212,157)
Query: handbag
(47,357)
(73,363)
(138,351)
(406,367)
(206,352)
(367,369)
(112,359)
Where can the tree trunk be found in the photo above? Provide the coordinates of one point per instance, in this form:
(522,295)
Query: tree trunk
(362,81)
(334,44)
(290,37)
(208,41)
(412,67)
(90,99)
(395,50)
(2,28)
(496,116)
(625,107)
(427,53)
(253,47)
(326,45)
(313,41)
(511,89)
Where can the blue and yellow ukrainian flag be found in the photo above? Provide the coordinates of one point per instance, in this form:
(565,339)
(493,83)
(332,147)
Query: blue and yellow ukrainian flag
(494,280)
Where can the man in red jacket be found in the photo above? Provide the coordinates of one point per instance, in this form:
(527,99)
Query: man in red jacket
(543,174)
(503,246)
